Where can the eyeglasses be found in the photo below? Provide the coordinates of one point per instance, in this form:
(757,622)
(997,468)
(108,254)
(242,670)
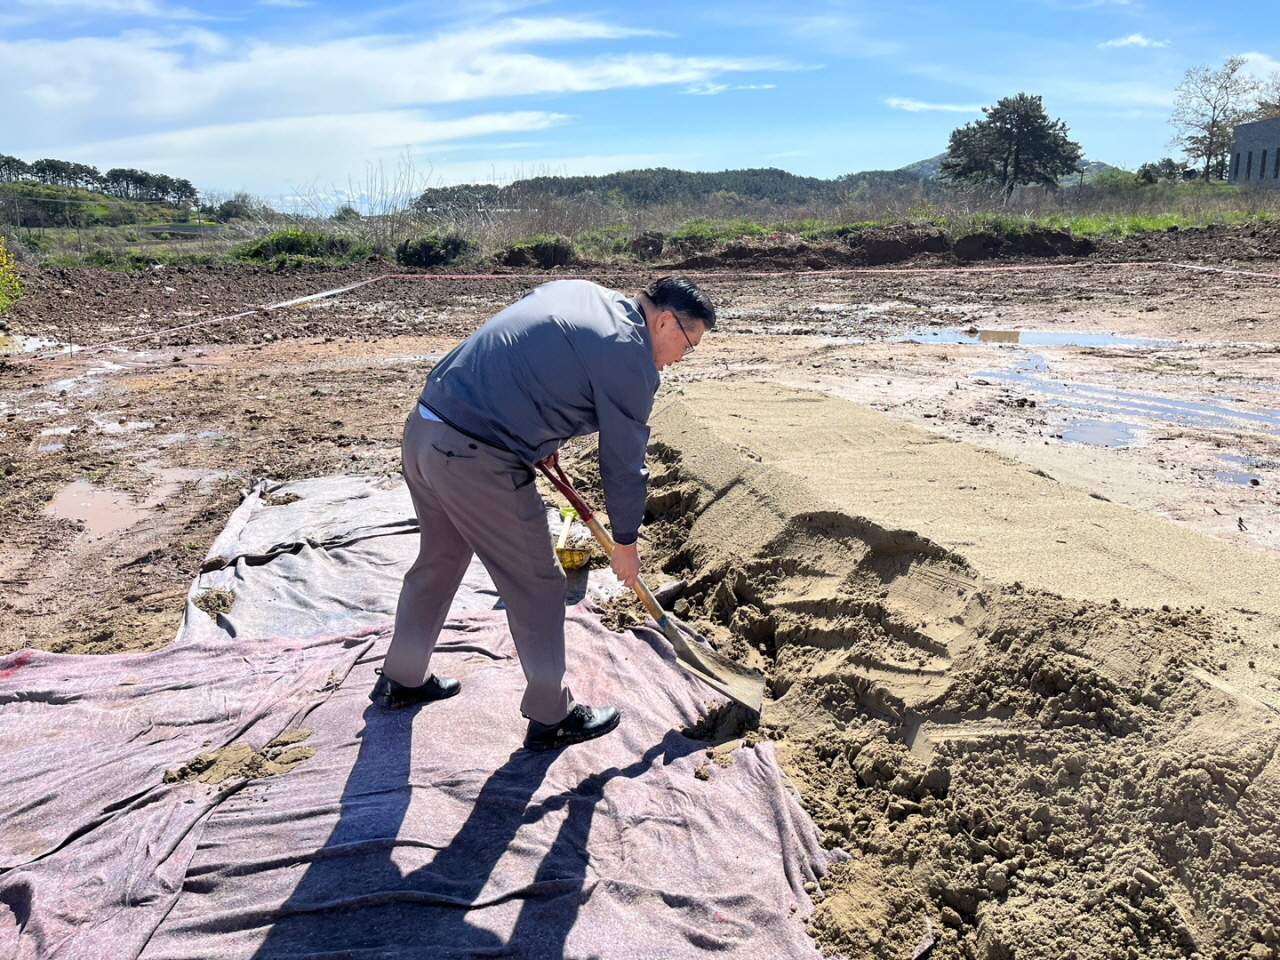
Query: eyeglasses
(689,349)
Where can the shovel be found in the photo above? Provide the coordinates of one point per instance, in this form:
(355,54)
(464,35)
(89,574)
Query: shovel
(717,671)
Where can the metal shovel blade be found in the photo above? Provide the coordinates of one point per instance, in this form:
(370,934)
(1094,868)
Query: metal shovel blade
(717,671)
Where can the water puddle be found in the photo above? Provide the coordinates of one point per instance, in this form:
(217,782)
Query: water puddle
(13,344)
(1244,478)
(1127,405)
(865,310)
(51,447)
(103,510)
(1099,433)
(99,509)
(128,426)
(1039,338)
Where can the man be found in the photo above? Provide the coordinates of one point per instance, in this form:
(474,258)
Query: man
(569,359)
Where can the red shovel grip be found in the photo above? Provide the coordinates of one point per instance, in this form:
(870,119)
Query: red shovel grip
(561,483)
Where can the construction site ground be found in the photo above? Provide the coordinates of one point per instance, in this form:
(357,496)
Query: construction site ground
(1115,802)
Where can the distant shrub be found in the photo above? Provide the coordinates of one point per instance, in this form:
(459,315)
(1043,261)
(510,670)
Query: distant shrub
(125,260)
(432,251)
(303,243)
(541,250)
(705,229)
(10,289)
(240,207)
(1117,180)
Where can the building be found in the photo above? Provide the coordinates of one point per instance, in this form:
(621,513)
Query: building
(1255,154)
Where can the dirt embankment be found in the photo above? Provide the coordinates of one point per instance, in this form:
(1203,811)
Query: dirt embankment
(1036,773)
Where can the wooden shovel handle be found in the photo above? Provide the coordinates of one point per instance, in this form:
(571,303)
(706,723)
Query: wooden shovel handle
(550,468)
(642,590)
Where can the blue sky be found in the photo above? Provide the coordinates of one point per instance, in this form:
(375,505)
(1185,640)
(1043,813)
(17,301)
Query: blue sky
(301,97)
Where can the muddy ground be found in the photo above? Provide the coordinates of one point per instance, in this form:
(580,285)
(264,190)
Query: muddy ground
(1150,387)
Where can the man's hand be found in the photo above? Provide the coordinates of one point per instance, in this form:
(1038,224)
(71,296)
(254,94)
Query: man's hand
(625,563)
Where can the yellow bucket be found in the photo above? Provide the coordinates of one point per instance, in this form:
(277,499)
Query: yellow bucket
(571,558)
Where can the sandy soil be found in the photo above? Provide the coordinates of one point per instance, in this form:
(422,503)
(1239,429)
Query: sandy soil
(976,686)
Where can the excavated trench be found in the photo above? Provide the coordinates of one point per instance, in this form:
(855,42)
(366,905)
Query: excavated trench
(1013,772)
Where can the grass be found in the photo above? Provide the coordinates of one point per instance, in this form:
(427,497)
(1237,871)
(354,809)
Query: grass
(606,231)
(10,288)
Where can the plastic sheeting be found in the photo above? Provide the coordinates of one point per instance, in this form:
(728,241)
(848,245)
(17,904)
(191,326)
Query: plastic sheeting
(425,832)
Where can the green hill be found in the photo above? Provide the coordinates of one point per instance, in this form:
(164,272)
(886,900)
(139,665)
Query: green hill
(931,168)
(39,205)
(643,188)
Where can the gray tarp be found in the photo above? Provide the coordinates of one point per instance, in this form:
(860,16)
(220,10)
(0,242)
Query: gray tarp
(416,833)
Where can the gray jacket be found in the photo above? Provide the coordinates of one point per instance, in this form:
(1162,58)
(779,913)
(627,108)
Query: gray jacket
(570,358)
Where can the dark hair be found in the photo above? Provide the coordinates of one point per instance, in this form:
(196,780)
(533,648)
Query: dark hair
(684,298)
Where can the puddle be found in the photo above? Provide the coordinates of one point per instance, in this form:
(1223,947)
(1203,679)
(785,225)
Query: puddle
(1027,375)
(57,431)
(865,310)
(1099,433)
(51,447)
(1242,478)
(15,343)
(129,426)
(103,510)
(100,509)
(1039,338)
(171,477)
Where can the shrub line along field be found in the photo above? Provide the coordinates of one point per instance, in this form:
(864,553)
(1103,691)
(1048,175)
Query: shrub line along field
(1059,775)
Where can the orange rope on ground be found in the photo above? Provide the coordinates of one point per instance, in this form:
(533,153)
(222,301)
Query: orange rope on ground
(852,271)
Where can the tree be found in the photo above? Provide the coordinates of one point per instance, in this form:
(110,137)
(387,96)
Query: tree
(11,168)
(1268,102)
(1164,170)
(1016,144)
(1208,106)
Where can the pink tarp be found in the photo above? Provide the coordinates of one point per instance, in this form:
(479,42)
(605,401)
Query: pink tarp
(416,833)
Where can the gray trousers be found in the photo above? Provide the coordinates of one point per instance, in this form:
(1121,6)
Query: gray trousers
(472,498)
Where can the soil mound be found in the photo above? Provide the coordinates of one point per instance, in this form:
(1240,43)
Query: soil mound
(545,254)
(871,248)
(861,248)
(1036,242)
(1214,243)
(1067,749)
(874,247)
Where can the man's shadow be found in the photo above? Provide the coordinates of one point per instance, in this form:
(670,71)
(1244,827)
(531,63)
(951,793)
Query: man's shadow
(353,899)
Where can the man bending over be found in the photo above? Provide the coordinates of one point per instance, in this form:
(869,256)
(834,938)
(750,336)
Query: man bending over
(569,359)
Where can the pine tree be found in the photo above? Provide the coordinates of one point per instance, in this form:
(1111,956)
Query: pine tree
(1016,144)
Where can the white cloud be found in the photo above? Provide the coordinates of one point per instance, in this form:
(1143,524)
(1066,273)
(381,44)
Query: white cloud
(145,77)
(128,8)
(1133,40)
(711,89)
(229,114)
(322,147)
(918,106)
(1260,65)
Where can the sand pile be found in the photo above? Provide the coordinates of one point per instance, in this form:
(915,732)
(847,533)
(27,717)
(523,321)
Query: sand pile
(1040,722)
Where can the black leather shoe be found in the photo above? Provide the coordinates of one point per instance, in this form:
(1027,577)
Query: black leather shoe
(390,695)
(583,723)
